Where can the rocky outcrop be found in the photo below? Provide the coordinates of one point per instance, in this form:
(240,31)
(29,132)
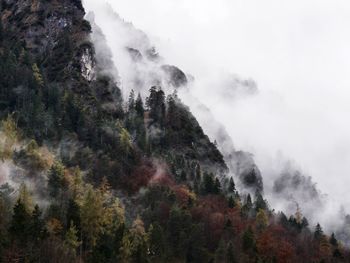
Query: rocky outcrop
(58,38)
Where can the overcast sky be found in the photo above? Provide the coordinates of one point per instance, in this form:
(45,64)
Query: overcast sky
(297,52)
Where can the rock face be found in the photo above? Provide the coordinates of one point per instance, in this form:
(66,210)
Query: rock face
(175,76)
(41,24)
(57,37)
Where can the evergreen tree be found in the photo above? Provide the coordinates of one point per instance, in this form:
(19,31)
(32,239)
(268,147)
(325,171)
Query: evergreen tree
(248,240)
(156,241)
(333,240)
(318,232)
(37,227)
(92,216)
(131,102)
(20,223)
(247,207)
(71,238)
(217,186)
(56,181)
(208,184)
(156,105)
(139,108)
(231,202)
(231,186)
(73,214)
(260,202)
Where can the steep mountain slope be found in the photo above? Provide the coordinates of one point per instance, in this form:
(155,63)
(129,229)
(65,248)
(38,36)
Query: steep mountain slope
(87,177)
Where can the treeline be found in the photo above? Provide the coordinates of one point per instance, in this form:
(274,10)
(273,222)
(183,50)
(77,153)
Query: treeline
(83,223)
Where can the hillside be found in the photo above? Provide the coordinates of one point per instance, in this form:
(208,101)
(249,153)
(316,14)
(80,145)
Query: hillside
(86,176)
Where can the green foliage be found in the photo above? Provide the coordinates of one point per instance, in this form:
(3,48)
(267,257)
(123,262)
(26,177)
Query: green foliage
(210,185)
(71,238)
(56,182)
(19,228)
(248,240)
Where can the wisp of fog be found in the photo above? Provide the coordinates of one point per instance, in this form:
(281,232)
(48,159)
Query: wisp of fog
(293,117)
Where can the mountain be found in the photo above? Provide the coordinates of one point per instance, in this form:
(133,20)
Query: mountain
(87,176)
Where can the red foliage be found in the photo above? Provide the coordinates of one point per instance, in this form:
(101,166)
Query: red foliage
(148,173)
(140,177)
(285,252)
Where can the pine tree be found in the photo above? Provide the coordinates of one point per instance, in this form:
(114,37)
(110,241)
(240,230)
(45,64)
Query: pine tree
(20,223)
(131,101)
(56,180)
(232,186)
(156,105)
(333,240)
(156,241)
(71,238)
(37,227)
(247,207)
(260,202)
(139,108)
(318,232)
(92,216)
(208,184)
(248,240)
(248,202)
(231,202)
(217,186)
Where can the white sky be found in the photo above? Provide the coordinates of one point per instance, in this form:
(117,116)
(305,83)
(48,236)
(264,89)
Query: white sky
(298,51)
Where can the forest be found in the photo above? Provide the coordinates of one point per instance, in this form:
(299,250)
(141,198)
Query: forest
(137,181)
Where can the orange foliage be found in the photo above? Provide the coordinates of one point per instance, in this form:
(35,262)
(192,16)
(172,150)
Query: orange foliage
(285,252)
(265,245)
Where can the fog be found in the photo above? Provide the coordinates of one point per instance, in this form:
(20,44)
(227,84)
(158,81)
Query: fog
(296,52)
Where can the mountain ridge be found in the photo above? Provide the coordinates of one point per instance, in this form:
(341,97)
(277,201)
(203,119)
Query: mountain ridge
(135,181)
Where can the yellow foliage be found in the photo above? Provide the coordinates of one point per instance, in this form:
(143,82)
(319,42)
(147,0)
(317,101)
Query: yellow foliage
(261,220)
(26,198)
(54,226)
(37,75)
(9,139)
